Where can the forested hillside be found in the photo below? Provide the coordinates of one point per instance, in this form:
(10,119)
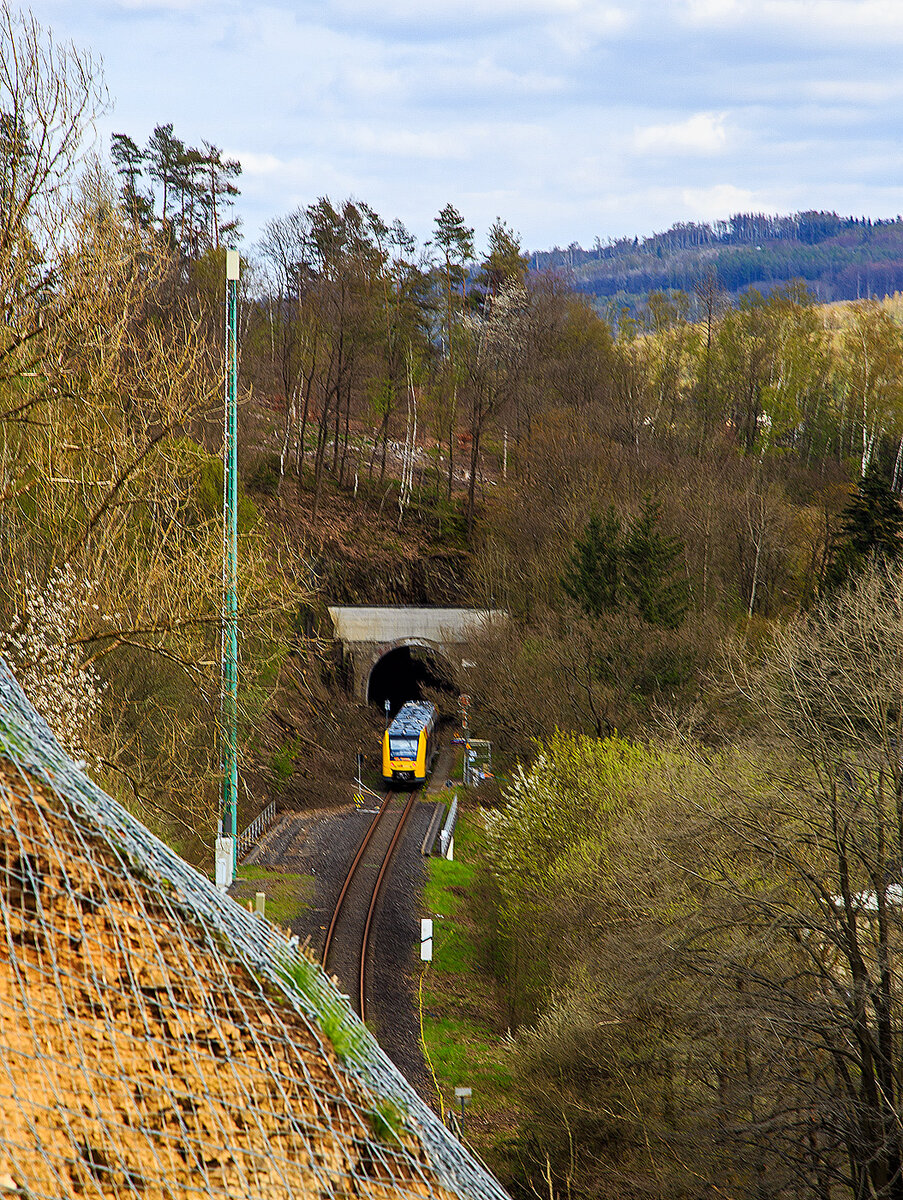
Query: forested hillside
(690,871)
(839,258)
(110,460)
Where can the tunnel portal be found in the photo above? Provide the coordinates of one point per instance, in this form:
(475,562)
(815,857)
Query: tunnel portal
(396,653)
(407,673)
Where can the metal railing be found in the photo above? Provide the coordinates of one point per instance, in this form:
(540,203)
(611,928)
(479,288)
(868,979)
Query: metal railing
(448,829)
(247,839)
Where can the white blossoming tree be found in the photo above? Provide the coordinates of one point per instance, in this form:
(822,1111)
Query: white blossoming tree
(42,652)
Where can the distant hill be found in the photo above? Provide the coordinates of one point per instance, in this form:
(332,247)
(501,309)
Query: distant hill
(839,258)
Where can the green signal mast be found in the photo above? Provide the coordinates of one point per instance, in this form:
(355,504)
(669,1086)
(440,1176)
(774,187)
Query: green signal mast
(227,842)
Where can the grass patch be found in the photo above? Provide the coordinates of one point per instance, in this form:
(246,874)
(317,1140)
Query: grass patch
(386,1122)
(347,1036)
(463,1020)
(348,1040)
(457,771)
(284,758)
(298,975)
(288,895)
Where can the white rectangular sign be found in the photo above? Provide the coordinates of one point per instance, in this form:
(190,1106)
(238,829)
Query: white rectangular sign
(426,940)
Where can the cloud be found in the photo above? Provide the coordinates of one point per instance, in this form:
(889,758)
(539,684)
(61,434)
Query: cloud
(473,83)
(702,134)
(815,21)
(567,118)
(720,200)
(713,12)
(258,164)
(477,12)
(405,144)
(870,93)
(153,7)
(859,20)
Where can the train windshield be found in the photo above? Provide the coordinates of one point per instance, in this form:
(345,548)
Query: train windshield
(403,747)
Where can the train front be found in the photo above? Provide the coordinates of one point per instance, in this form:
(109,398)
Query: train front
(408,744)
(400,757)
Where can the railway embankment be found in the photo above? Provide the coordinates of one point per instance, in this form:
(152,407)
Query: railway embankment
(467,1040)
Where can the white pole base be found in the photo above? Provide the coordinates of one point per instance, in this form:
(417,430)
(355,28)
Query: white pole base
(225,857)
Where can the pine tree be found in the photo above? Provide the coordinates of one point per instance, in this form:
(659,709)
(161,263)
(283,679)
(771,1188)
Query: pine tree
(221,191)
(127,159)
(872,528)
(162,154)
(454,240)
(189,180)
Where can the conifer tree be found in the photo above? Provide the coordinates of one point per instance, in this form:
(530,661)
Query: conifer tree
(505,261)
(610,569)
(221,191)
(593,575)
(650,558)
(454,241)
(162,154)
(128,160)
(872,528)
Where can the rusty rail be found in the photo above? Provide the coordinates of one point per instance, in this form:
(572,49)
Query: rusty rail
(373,899)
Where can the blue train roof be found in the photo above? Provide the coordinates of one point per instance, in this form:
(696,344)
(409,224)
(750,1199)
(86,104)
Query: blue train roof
(412,717)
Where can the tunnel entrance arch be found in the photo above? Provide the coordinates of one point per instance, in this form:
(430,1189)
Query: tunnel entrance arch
(407,670)
(367,635)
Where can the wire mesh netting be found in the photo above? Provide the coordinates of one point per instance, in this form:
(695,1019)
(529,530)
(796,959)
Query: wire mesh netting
(157,1040)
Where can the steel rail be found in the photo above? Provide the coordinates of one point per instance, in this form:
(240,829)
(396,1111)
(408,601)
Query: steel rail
(365,842)
(373,899)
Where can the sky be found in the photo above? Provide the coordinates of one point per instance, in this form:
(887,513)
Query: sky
(570,120)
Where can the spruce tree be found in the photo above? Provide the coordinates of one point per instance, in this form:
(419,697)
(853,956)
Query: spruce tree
(505,261)
(610,569)
(593,574)
(651,558)
(872,528)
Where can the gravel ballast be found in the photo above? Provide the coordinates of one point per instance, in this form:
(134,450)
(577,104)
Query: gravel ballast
(322,844)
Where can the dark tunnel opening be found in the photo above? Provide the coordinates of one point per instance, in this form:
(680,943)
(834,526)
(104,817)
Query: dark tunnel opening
(407,673)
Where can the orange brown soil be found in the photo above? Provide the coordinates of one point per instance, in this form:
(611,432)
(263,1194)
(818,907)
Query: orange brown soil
(138,1056)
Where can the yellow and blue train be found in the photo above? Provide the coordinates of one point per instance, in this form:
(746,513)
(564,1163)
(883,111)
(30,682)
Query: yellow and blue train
(410,743)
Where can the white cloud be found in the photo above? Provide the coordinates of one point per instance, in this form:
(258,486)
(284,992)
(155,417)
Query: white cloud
(877,19)
(702,134)
(258,164)
(851,92)
(158,6)
(480,78)
(713,12)
(720,200)
(477,12)
(402,143)
(817,21)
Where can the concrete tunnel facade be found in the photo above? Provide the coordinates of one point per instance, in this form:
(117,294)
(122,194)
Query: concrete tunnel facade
(370,635)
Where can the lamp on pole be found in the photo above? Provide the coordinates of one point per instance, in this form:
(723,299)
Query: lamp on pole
(227,842)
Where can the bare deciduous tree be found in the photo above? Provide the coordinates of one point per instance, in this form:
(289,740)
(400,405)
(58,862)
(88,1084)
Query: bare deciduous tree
(49,95)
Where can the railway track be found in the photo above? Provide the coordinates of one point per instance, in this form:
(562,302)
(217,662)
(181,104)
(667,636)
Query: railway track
(347,943)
